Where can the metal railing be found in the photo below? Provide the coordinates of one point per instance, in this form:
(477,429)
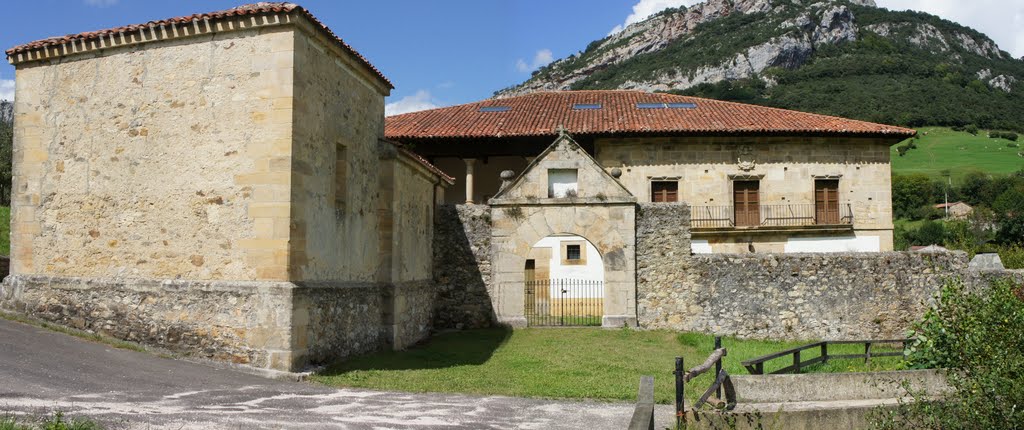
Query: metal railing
(756,366)
(564,302)
(775,215)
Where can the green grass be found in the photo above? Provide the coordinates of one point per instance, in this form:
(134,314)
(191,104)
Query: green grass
(959,152)
(57,421)
(5,230)
(588,363)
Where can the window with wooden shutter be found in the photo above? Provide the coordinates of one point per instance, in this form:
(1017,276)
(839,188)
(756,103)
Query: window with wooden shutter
(826,201)
(664,191)
(746,203)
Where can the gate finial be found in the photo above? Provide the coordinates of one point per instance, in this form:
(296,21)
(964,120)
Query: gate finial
(562,132)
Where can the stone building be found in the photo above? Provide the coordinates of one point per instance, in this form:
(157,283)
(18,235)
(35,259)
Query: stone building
(201,182)
(758,179)
(226,185)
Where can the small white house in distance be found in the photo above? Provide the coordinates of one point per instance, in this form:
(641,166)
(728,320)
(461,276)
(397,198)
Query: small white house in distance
(564,257)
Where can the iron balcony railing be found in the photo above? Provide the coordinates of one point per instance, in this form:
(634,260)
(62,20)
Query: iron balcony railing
(788,215)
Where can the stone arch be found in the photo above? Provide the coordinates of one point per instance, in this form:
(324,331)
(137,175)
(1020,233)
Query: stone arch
(610,228)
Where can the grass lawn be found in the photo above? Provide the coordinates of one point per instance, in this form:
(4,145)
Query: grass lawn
(959,152)
(589,363)
(5,230)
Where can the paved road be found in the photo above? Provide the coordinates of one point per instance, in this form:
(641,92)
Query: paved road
(41,371)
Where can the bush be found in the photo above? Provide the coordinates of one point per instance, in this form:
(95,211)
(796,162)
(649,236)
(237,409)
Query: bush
(972,129)
(1012,256)
(978,335)
(1013,145)
(1010,136)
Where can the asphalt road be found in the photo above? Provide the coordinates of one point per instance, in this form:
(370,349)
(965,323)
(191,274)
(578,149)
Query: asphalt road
(42,371)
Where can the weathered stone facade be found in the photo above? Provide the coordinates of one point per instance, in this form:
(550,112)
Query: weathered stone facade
(799,296)
(786,168)
(224,190)
(767,296)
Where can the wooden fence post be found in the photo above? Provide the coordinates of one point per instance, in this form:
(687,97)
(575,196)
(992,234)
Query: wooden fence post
(680,412)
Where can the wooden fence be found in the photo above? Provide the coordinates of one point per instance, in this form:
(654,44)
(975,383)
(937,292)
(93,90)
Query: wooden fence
(756,365)
(643,414)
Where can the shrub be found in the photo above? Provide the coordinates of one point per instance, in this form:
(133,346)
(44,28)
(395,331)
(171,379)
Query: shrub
(1010,136)
(1012,256)
(978,335)
(1013,145)
(972,129)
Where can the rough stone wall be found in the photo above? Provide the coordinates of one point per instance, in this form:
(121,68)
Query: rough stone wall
(242,322)
(154,161)
(333,321)
(799,296)
(462,266)
(414,309)
(662,251)
(787,167)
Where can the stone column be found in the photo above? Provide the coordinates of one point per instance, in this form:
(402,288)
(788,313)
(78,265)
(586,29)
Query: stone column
(470,163)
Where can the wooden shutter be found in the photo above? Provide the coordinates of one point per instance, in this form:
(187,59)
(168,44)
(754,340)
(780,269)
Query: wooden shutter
(746,203)
(664,191)
(826,201)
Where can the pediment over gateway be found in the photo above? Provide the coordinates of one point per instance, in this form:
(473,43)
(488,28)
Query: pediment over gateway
(563,172)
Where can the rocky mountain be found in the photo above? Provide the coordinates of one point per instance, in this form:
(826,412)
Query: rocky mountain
(841,57)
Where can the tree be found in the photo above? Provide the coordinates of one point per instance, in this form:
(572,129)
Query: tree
(1009,207)
(911,193)
(6,150)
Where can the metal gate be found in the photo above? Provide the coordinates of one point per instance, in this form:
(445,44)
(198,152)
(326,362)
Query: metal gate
(564,302)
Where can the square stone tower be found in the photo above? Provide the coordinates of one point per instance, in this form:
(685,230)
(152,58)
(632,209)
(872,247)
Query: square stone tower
(218,184)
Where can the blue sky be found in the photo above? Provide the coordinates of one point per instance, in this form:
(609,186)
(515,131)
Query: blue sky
(454,51)
(444,52)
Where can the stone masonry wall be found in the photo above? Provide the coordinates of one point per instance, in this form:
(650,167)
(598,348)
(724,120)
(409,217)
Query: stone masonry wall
(155,161)
(462,266)
(799,296)
(237,321)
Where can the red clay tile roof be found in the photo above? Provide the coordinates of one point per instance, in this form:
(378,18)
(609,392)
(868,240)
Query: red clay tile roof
(539,114)
(248,9)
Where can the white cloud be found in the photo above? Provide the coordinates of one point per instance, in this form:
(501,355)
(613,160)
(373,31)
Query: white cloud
(101,3)
(542,57)
(422,100)
(7,89)
(646,8)
(1001,20)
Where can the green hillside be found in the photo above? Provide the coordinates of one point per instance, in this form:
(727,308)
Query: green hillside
(940,149)
(893,67)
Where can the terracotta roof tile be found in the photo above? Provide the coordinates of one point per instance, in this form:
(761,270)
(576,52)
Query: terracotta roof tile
(539,114)
(248,9)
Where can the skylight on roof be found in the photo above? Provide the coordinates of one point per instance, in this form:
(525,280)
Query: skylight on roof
(666,105)
(586,106)
(495,109)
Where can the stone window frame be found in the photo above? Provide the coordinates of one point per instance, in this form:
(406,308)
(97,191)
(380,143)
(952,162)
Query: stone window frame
(340,175)
(650,186)
(564,253)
